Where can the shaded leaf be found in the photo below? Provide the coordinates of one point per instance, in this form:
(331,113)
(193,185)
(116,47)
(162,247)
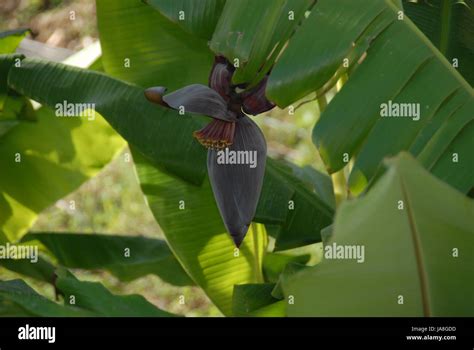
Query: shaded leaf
(450,27)
(289,270)
(126,257)
(372,40)
(41,270)
(255,299)
(296,75)
(19,299)
(159,52)
(197,17)
(290,205)
(6,62)
(275,263)
(241,35)
(433,233)
(152,125)
(198,237)
(96,298)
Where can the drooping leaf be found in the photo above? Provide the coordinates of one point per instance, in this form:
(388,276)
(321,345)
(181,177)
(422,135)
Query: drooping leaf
(126,257)
(197,17)
(19,299)
(417,236)
(41,270)
(150,132)
(94,297)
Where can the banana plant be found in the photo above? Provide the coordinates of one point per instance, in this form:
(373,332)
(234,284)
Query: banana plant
(169,66)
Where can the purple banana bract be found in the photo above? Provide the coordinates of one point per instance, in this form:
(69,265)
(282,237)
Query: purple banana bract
(236,146)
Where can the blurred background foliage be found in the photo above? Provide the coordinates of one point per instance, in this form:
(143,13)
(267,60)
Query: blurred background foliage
(112,202)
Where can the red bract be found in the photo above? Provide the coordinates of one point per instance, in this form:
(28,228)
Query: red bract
(221,77)
(255,101)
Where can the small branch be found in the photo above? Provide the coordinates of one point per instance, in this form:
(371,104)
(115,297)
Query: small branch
(339,185)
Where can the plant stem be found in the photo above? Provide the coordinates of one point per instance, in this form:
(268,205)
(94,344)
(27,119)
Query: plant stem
(339,186)
(322,103)
(342,80)
(256,229)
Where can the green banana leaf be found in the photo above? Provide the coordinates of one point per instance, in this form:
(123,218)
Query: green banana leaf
(275,263)
(10,40)
(94,297)
(126,257)
(256,300)
(5,65)
(40,270)
(240,34)
(197,235)
(197,17)
(294,207)
(10,115)
(80,299)
(450,27)
(43,161)
(20,206)
(15,109)
(290,270)
(371,36)
(6,61)
(20,300)
(7,125)
(142,46)
(417,236)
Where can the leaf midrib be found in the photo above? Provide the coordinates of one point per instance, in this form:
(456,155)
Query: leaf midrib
(418,253)
(446,12)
